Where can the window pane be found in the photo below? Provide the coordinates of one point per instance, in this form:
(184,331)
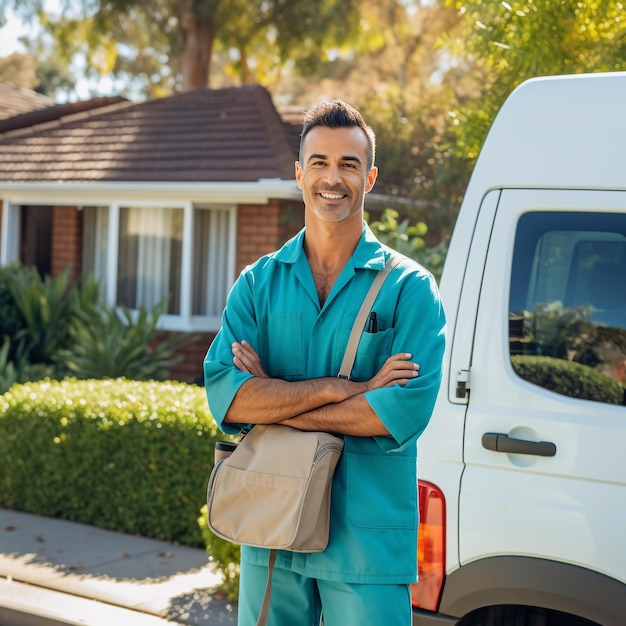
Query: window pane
(95,240)
(210,261)
(149,262)
(568,304)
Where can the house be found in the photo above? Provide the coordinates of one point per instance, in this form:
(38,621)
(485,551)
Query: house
(168,198)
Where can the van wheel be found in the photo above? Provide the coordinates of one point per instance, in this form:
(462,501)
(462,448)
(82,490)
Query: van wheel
(521,616)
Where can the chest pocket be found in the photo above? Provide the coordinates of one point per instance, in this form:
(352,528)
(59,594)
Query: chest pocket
(281,345)
(374,349)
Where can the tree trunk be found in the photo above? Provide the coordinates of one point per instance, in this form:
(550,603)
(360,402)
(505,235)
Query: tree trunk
(198,33)
(244,72)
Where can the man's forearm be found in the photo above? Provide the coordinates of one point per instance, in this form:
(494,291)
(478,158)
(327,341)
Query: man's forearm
(353,416)
(272,400)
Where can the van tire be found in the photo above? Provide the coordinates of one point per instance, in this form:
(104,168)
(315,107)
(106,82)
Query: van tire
(521,616)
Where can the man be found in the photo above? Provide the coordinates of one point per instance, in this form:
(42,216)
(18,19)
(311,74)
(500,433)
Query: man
(276,359)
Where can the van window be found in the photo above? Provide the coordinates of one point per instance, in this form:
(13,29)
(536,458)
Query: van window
(567,311)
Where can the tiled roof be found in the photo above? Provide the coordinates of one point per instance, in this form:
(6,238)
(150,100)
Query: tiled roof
(49,113)
(202,135)
(15,100)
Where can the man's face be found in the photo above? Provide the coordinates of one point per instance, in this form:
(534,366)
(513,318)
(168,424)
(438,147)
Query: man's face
(333,174)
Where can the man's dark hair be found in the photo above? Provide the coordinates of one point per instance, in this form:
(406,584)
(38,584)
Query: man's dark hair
(338,114)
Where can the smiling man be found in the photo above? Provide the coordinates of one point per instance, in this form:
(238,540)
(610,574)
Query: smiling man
(276,358)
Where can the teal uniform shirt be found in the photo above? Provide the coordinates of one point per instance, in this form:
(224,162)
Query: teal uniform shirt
(275,307)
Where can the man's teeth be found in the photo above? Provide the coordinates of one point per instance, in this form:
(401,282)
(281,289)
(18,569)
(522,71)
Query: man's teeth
(332,196)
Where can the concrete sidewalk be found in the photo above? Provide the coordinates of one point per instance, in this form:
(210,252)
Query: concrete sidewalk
(54,572)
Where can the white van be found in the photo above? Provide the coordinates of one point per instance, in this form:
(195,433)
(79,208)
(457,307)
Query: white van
(523,466)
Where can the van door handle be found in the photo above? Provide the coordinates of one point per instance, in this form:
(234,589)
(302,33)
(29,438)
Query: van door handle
(499,442)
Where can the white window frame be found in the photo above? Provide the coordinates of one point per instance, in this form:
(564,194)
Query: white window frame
(185,321)
(9,242)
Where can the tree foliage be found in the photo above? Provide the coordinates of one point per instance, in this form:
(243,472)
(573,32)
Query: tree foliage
(408,239)
(504,43)
(260,38)
(397,74)
(160,46)
(28,10)
(19,69)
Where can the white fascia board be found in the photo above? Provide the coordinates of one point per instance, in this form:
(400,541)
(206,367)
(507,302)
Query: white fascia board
(93,193)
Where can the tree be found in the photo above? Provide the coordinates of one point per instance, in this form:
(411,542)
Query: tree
(40,69)
(26,9)
(170,44)
(261,38)
(396,73)
(52,73)
(505,43)
(19,69)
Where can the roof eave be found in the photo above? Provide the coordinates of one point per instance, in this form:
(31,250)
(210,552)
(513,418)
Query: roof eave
(85,193)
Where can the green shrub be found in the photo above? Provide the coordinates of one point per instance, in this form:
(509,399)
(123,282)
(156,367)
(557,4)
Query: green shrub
(108,344)
(59,329)
(568,378)
(11,321)
(46,307)
(224,554)
(124,455)
(8,373)
(408,239)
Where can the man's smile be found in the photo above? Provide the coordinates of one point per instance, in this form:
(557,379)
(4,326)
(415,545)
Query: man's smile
(332,195)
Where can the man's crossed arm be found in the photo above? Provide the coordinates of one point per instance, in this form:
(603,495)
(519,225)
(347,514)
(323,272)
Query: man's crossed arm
(331,404)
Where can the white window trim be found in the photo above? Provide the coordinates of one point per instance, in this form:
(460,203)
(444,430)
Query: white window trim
(9,252)
(199,323)
(186,264)
(184,322)
(112,254)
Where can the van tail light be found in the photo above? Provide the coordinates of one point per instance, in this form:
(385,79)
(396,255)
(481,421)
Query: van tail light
(431,547)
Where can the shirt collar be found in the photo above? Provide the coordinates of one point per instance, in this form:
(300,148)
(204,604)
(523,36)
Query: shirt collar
(369,253)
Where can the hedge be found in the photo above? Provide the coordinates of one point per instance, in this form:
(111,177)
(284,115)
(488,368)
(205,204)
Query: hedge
(124,455)
(568,378)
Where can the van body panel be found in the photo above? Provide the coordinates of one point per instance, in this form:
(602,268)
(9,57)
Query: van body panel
(553,155)
(526,498)
(462,310)
(534,582)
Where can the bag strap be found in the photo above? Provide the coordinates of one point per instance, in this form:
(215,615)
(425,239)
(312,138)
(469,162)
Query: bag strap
(353,342)
(265,607)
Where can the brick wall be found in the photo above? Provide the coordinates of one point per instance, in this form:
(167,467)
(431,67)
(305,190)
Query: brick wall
(67,240)
(258,229)
(264,228)
(189,369)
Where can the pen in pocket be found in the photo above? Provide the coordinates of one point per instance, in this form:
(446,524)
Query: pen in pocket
(372,323)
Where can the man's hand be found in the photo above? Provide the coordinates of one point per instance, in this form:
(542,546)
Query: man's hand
(396,370)
(247,360)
